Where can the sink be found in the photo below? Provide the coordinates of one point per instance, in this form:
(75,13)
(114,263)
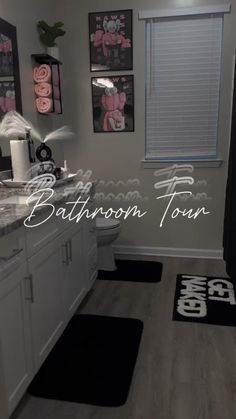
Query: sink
(18,200)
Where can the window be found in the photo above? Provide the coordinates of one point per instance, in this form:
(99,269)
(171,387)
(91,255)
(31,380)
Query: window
(183,71)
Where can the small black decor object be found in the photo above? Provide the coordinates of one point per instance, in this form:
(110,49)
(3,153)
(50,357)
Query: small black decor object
(43,153)
(57,173)
(134,271)
(93,362)
(205,299)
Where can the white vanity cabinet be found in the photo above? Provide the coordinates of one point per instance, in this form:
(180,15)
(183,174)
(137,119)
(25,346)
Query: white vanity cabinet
(47,312)
(74,283)
(45,272)
(15,335)
(57,274)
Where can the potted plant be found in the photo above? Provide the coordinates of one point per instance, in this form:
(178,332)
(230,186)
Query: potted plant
(48,35)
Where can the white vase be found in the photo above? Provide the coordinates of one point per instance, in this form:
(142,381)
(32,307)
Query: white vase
(54,52)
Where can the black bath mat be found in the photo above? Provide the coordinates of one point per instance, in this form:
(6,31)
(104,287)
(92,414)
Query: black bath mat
(205,299)
(133,270)
(93,362)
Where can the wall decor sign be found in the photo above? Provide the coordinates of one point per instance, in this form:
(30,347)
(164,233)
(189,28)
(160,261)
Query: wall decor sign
(113,103)
(205,299)
(110,39)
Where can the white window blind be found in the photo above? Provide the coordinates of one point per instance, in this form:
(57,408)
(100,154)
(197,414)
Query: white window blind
(183,69)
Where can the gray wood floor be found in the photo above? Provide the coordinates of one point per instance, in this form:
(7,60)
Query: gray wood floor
(183,371)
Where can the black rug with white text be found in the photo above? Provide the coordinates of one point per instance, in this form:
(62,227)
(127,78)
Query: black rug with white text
(205,299)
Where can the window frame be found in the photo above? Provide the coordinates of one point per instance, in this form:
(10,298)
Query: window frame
(201,11)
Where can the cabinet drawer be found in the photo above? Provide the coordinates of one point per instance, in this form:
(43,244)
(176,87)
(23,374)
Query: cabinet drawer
(38,237)
(12,251)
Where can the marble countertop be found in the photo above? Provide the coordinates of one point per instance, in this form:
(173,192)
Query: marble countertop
(12,216)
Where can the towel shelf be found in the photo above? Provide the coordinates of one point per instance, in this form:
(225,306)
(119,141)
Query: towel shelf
(45,59)
(50,103)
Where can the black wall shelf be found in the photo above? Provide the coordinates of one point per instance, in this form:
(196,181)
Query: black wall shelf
(52,62)
(45,59)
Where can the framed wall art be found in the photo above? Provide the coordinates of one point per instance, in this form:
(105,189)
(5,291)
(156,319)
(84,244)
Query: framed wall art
(111,40)
(10,87)
(113,103)
(10,91)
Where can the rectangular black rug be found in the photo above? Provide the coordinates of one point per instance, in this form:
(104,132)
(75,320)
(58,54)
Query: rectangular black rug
(205,299)
(133,270)
(93,362)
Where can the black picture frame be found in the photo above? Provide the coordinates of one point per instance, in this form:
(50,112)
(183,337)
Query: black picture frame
(8,30)
(111,40)
(10,87)
(113,103)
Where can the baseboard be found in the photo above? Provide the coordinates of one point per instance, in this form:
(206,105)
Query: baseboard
(152,252)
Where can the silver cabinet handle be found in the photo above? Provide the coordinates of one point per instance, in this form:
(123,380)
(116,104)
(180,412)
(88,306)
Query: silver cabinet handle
(14,253)
(66,260)
(30,279)
(70,250)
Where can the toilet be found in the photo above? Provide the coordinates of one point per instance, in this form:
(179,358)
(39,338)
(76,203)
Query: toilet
(107,231)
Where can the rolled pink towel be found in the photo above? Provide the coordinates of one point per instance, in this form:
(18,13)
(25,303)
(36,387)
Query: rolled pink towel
(43,89)
(42,73)
(44,105)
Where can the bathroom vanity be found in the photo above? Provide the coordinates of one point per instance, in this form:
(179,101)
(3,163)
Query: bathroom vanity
(45,272)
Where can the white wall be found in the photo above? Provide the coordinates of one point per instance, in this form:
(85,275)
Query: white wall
(24,14)
(117,156)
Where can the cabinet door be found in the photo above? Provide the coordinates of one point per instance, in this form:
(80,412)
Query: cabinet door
(74,281)
(47,314)
(15,336)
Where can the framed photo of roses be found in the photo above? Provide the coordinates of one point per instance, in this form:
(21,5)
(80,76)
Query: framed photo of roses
(113,103)
(111,40)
